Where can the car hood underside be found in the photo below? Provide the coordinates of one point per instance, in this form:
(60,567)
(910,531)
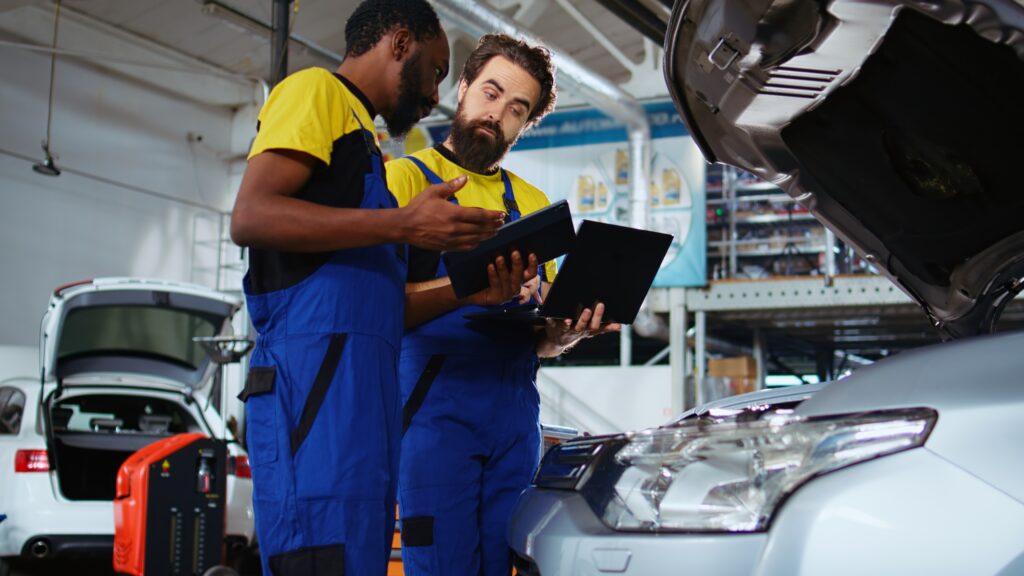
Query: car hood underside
(899,129)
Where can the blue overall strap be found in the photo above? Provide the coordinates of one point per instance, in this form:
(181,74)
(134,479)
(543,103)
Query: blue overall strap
(431,176)
(371,146)
(511,206)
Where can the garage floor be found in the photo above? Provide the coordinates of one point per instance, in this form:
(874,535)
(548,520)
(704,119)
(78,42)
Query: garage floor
(94,567)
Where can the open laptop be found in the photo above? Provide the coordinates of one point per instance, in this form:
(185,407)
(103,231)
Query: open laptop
(608,263)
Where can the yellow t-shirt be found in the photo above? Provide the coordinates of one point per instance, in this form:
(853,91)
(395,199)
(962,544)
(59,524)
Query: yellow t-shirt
(309,111)
(406,180)
(314,111)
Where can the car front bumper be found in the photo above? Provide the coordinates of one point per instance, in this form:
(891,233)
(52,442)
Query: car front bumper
(909,513)
(558,533)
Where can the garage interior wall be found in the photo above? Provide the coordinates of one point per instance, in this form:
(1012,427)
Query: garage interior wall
(132,188)
(594,399)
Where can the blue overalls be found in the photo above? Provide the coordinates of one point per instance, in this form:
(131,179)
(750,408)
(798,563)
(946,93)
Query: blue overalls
(471,438)
(322,408)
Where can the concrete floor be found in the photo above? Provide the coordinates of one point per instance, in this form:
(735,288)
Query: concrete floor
(91,567)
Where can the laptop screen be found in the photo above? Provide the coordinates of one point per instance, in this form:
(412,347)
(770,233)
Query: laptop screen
(608,263)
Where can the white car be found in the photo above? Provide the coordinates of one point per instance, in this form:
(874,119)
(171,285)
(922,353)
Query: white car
(910,466)
(119,371)
(896,123)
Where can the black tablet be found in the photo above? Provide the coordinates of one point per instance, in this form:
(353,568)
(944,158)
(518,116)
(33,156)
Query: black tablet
(612,264)
(548,233)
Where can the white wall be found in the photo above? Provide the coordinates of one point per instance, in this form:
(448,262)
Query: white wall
(605,399)
(140,221)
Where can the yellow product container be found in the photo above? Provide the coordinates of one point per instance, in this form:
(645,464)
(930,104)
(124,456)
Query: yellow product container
(621,167)
(672,185)
(585,193)
(602,196)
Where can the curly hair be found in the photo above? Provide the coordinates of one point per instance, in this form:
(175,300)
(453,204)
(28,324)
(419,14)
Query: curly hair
(373,19)
(536,60)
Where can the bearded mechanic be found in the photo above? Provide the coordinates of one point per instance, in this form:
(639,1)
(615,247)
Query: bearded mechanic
(325,290)
(471,437)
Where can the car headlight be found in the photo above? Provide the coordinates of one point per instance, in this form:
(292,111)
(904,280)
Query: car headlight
(722,477)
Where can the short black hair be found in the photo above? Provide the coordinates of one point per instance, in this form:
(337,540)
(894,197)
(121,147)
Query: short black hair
(373,19)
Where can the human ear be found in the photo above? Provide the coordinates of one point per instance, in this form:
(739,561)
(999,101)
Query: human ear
(401,43)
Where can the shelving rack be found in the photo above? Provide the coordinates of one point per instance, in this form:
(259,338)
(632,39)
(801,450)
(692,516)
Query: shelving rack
(755,230)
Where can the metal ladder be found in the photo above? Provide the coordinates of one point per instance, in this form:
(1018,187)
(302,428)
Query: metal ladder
(216,261)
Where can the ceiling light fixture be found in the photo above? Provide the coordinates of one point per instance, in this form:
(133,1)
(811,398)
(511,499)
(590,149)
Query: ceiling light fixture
(47,167)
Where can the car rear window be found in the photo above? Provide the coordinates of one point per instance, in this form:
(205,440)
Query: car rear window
(140,331)
(12,406)
(121,414)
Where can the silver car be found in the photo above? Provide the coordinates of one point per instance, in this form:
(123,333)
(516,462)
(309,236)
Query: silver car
(896,124)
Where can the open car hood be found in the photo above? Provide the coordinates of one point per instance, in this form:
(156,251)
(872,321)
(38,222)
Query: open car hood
(122,326)
(898,124)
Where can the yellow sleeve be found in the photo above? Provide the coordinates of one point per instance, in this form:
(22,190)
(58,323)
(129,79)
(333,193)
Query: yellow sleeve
(405,181)
(305,112)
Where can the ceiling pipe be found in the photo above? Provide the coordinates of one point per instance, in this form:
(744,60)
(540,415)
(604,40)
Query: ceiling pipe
(639,17)
(477,19)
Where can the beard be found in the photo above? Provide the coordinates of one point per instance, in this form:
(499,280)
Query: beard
(410,101)
(476,152)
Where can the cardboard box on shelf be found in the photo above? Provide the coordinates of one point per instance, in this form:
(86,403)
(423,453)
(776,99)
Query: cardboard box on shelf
(740,366)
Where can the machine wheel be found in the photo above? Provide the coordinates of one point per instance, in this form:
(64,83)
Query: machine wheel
(5,567)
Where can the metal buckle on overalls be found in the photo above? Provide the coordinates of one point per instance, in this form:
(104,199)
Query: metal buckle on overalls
(510,204)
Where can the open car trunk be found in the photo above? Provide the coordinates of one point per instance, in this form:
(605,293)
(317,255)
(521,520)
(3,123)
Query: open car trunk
(93,434)
(124,357)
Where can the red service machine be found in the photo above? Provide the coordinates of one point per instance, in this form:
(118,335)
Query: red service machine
(169,508)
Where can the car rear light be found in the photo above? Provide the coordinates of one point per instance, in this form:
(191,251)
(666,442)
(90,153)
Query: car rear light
(31,461)
(59,289)
(239,466)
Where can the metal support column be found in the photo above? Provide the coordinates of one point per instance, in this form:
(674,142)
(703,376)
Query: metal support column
(700,357)
(830,256)
(760,357)
(677,347)
(279,41)
(826,363)
(729,178)
(626,346)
